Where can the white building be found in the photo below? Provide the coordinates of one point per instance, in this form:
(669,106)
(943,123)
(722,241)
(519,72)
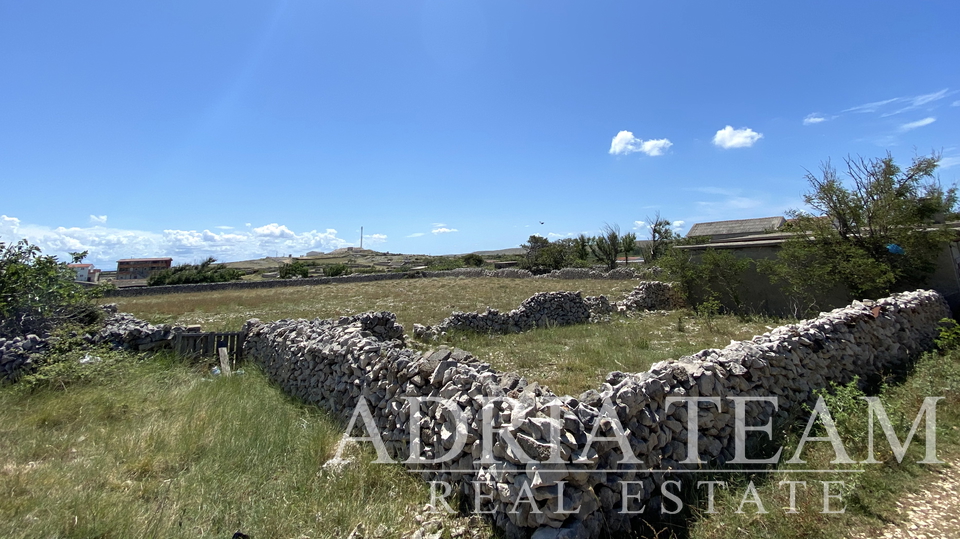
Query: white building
(86,273)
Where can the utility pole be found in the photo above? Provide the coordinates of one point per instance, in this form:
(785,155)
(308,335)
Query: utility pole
(361,237)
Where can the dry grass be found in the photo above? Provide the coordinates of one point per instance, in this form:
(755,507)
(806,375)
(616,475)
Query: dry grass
(424,301)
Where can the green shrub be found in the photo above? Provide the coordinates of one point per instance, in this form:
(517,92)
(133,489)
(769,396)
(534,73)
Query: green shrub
(204,272)
(38,293)
(335,270)
(472,259)
(294,269)
(949,338)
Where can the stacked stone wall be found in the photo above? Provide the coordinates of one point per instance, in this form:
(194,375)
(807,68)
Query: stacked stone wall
(505,273)
(338,364)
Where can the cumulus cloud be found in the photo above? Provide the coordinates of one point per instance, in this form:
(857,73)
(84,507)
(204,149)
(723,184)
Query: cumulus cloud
(443,230)
(728,137)
(107,245)
(98,219)
(273,230)
(812,119)
(625,143)
(918,123)
(638,225)
(555,235)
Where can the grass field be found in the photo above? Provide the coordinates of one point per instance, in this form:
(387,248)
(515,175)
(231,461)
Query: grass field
(138,446)
(153,448)
(423,301)
(568,359)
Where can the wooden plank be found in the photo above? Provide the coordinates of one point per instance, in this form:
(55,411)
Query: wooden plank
(224,362)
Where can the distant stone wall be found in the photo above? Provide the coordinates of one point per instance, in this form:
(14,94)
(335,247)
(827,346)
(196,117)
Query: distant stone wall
(506,273)
(337,364)
(540,310)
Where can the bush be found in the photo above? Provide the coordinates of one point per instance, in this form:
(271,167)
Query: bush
(335,270)
(294,269)
(204,272)
(472,259)
(38,293)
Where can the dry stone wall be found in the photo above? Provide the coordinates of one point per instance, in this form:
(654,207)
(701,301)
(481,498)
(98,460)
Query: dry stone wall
(651,296)
(120,330)
(505,273)
(124,331)
(535,467)
(540,310)
(556,308)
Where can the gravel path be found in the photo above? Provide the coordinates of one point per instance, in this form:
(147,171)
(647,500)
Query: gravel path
(931,513)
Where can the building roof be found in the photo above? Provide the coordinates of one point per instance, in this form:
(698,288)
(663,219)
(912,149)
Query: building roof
(79,265)
(739,227)
(145,260)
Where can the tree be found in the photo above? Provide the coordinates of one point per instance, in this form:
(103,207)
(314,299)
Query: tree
(543,256)
(78,257)
(879,231)
(38,293)
(581,250)
(294,269)
(473,259)
(708,275)
(205,272)
(607,246)
(628,242)
(533,246)
(661,237)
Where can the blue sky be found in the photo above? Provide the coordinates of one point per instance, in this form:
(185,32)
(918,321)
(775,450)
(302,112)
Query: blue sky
(247,129)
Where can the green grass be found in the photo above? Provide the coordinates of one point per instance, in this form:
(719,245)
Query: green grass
(159,450)
(572,359)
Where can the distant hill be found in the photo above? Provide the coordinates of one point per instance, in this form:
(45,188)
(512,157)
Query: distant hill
(503,252)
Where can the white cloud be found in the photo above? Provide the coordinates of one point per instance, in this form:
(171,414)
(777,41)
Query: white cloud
(639,225)
(375,239)
(871,107)
(443,230)
(224,227)
(921,100)
(98,219)
(439,225)
(555,235)
(918,123)
(625,143)
(948,162)
(416,234)
(912,102)
(273,230)
(107,245)
(678,224)
(955,104)
(728,137)
(812,119)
